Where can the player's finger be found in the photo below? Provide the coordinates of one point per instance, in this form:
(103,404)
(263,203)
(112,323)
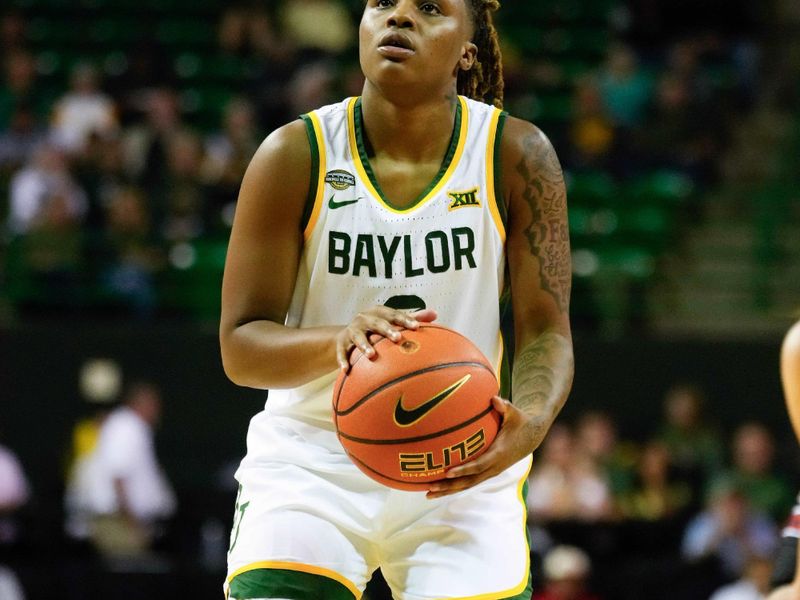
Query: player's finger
(359,338)
(426,315)
(387,330)
(500,405)
(473,467)
(343,349)
(440,489)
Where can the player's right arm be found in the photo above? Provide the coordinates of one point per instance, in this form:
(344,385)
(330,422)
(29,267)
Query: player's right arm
(790,375)
(261,267)
(266,242)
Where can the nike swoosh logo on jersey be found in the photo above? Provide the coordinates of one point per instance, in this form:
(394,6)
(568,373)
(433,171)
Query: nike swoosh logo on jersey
(404,417)
(333,205)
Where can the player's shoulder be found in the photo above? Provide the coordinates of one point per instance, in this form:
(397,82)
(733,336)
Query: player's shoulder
(522,138)
(526,153)
(288,140)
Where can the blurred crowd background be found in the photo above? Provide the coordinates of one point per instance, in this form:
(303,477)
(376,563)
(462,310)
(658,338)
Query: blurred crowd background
(125,129)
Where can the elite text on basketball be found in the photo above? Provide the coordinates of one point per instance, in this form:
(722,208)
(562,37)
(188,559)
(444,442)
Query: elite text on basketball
(425,464)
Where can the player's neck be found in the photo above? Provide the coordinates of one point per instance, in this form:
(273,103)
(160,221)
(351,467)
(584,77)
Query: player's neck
(415,131)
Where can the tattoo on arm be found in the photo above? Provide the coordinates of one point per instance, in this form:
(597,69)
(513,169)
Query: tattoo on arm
(541,380)
(548,232)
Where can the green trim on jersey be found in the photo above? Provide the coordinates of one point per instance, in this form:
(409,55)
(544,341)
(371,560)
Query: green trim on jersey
(528,591)
(312,187)
(358,119)
(280,583)
(498,170)
(507,331)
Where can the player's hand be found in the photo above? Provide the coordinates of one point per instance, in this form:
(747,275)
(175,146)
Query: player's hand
(381,320)
(518,437)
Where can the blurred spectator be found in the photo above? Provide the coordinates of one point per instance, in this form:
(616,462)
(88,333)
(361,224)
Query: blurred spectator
(119,494)
(753,454)
(624,87)
(251,30)
(131,254)
(592,134)
(227,154)
(20,139)
(14,493)
(146,143)
(21,89)
(83,111)
(12,31)
(183,204)
(10,588)
(597,442)
(31,190)
(52,257)
(730,531)
(695,446)
(101,172)
(562,485)
(311,84)
(323,25)
(753,585)
(566,571)
(655,494)
(681,132)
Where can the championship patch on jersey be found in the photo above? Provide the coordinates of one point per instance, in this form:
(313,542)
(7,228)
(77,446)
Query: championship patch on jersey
(464,199)
(340,180)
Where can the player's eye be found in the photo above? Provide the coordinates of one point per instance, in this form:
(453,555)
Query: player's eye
(430,8)
(383,3)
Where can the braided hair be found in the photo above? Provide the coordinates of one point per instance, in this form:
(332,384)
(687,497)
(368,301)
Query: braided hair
(484,81)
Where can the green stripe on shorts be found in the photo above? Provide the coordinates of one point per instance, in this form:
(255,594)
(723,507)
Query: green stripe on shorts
(281,583)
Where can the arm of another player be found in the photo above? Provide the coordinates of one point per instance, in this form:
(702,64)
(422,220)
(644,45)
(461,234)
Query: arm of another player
(539,262)
(266,242)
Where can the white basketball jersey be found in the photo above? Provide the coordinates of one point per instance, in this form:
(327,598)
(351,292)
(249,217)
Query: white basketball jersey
(445,251)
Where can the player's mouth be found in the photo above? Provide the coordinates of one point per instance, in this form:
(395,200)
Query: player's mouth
(395,46)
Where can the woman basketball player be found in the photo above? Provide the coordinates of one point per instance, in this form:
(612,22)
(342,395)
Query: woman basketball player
(416,201)
(788,562)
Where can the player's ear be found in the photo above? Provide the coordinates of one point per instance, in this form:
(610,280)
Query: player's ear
(469,55)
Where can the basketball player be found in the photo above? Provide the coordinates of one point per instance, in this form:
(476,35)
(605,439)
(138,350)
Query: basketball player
(416,201)
(788,563)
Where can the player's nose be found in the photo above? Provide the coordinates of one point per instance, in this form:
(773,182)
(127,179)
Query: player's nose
(401,16)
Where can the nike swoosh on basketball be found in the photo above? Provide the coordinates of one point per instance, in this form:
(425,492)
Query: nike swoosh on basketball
(333,205)
(405,417)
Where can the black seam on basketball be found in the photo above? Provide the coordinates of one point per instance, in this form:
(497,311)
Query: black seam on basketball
(420,438)
(378,390)
(404,481)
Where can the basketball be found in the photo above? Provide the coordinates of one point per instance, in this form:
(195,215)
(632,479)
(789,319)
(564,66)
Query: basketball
(422,406)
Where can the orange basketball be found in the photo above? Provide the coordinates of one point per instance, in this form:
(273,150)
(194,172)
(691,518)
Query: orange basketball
(422,406)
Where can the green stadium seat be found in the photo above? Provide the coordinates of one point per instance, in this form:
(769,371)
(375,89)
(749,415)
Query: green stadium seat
(553,107)
(591,188)
(651,227)
(186,33)
(193,288)
(660,188)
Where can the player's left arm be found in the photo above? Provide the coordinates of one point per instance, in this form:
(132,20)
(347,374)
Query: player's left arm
(540,268)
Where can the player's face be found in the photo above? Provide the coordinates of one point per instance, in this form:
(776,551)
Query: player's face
(415,42)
